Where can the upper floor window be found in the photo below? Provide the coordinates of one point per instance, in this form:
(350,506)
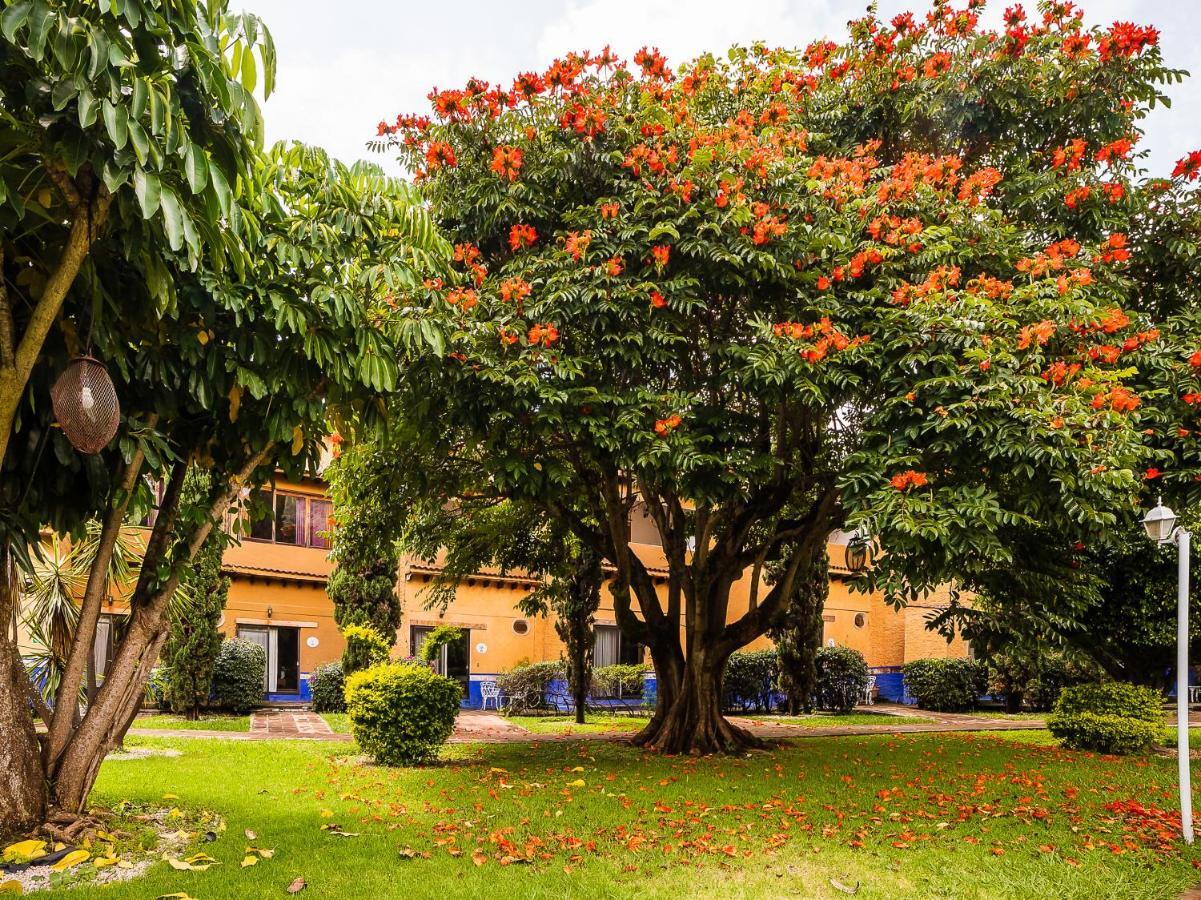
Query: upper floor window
(295,519)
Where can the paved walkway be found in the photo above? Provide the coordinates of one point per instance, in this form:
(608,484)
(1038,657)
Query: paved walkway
(475,726)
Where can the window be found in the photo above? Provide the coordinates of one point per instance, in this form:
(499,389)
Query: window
(290,519)
(321,523)
(610,648)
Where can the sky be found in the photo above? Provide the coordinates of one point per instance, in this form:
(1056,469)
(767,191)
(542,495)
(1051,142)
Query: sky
(346,64)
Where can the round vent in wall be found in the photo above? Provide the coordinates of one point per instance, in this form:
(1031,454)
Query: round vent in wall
(860,620)
(521,626)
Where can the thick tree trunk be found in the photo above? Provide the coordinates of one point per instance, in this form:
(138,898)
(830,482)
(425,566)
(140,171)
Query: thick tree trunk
(691,720)
(22,786)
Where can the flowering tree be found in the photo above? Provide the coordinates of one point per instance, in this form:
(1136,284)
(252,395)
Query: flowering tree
(884,283)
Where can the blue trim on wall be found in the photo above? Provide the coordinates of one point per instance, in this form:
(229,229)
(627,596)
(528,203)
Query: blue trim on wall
(304,695)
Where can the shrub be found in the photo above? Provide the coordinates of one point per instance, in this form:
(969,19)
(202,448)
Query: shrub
(238,675)
(946,685)
(525,687)
(842,678)
(1033,679)
(619,680)
(401,714)
(1108,718)
(328,687)
(749,681)
(365,647)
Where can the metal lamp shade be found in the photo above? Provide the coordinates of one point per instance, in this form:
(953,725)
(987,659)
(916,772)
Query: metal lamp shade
(85,404)
(1160,523)
(857,554)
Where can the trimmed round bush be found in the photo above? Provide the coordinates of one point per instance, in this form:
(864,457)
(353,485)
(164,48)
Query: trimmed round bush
(1113,717)
(365,647)
(750,680)
(946,685)
(842,678)
(401,714)
(238,675)
(328,688)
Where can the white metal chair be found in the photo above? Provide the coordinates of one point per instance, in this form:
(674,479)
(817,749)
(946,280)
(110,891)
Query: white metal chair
(868,700)
(489,690)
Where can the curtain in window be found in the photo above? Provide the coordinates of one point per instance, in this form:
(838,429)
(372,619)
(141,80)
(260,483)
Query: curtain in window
(289,519)
(604,650)
(320,523)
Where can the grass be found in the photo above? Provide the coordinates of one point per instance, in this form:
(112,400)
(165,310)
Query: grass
(928,815)
(339,723)
(1002,715)
(204,723)
(597,722)
(828,720)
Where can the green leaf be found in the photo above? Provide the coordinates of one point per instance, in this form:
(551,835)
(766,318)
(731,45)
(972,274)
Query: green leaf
(172,218)
(220,188)
(196,168)
(146,186)
(13,18)
(139,139)
(137,103)
(116,121)
(87,108)
(250,75)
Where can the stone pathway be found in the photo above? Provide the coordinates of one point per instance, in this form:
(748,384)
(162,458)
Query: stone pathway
(288,723)
(475,726)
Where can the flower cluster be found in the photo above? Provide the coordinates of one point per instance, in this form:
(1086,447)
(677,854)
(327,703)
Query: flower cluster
(543,334)
(906,481)
(664,427)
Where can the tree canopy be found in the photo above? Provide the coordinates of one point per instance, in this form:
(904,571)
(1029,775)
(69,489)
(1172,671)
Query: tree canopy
(787,291)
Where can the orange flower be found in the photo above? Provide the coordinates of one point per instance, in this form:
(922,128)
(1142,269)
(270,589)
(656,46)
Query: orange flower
(521,236)
(609,210)
(658,301)
(664,427)
(516,289)
(904,481)
(613,267)
(823,283)
(440,154)
(506,162)
(662,254)
(543,333)
(577,243)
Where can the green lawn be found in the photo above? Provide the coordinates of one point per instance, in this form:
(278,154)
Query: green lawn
(204,723)
(1001,714)
(962,815)
(597,722)
(828,720)
(339,723)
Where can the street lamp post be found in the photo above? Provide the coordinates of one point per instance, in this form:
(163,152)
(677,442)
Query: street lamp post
(1160,524)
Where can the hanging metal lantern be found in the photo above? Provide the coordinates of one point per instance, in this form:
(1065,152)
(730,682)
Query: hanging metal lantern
(85,404)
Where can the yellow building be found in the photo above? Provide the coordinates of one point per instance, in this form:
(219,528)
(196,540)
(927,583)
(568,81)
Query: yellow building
(277,597)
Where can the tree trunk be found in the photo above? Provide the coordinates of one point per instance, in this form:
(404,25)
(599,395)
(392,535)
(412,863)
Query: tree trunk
(22,787)
(688,718)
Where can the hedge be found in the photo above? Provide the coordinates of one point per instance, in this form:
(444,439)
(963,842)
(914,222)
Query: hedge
(946,685)
(525,687)
(842,679)
(401,714)
(1113,717)
(238,675)
(749,683)
(365,647)
(328,687)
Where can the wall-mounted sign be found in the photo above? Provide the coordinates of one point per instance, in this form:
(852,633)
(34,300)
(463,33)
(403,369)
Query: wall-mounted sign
(481,648)
(312,642)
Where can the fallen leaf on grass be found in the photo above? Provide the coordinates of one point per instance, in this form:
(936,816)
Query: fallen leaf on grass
(333,828)
(264,852)
(170,796)
(197,862)
(72,859)
(479,857)
(249,861)
(578,783)
(12,887)
(250,835)
(297,885)
(178,895)
(408,853)
(846,889)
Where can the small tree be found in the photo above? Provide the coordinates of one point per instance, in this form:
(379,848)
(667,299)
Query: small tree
(365,647)
(194,640)
(798,635)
